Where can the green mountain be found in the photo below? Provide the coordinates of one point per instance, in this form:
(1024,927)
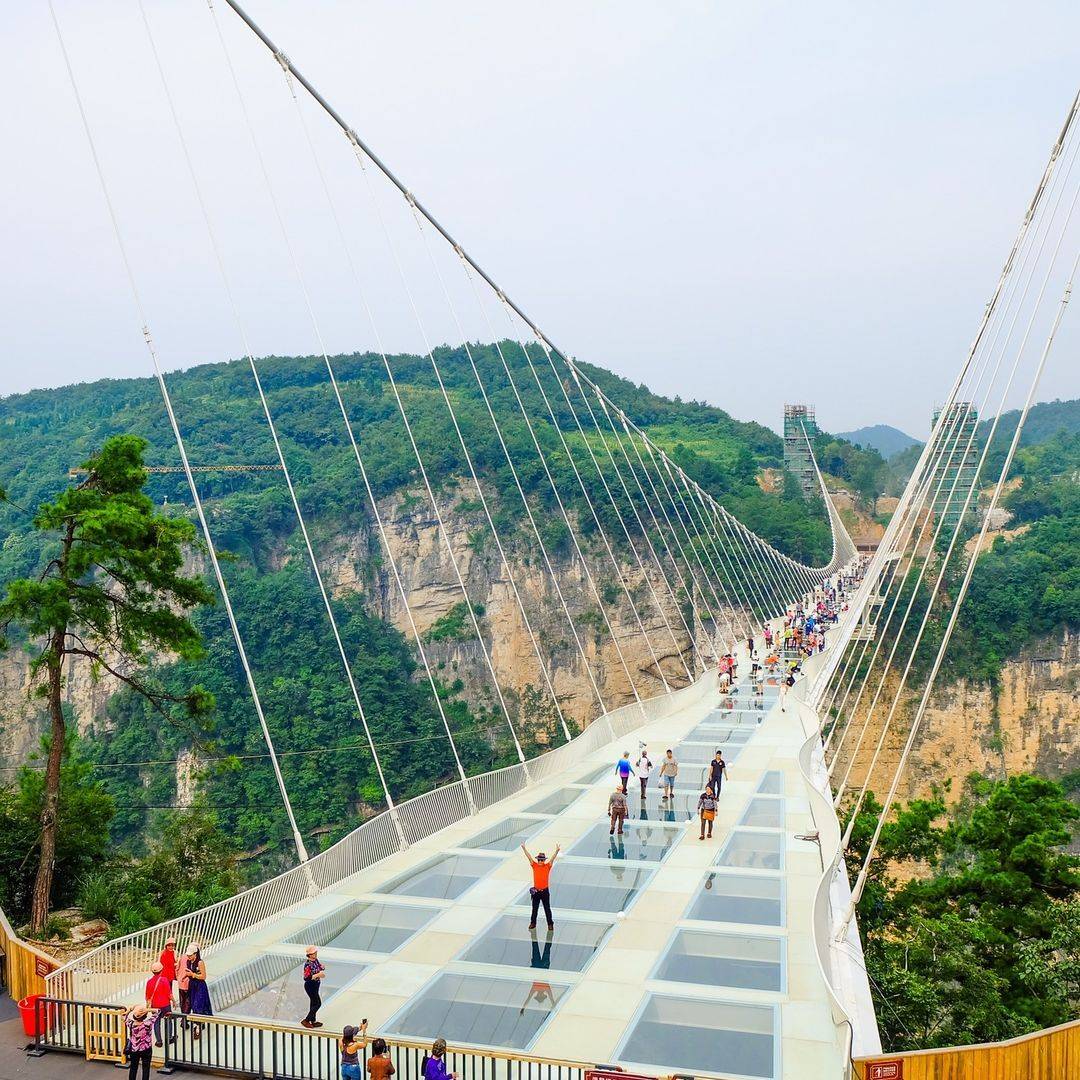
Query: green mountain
(883,438)
(313,719)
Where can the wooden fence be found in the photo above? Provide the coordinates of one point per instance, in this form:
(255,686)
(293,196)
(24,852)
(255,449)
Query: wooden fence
(1051,1054)
(25,966)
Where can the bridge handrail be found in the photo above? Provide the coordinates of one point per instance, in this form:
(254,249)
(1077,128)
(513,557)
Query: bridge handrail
(95,973)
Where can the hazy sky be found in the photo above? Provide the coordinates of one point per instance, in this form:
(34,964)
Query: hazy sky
(745,203)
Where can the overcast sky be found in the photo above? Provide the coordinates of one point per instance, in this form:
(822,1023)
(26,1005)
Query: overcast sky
(744,203)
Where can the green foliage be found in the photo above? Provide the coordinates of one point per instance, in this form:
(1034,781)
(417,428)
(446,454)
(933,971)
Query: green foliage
(189,865)
(86,810)
(1026,587)
(455,625)
(965,916)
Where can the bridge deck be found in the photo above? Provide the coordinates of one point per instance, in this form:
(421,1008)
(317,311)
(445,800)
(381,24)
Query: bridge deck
(668,953)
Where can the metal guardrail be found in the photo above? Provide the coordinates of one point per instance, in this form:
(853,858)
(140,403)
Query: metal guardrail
(111,971)
(214,1044)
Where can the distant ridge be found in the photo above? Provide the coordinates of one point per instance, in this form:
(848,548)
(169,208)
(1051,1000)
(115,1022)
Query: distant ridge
(884,439)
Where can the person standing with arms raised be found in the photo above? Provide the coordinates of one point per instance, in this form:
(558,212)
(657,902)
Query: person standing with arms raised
(541,890)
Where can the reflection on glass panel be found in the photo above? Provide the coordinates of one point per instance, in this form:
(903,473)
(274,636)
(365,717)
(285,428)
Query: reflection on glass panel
(739,898)
(772,783)
(691,1035)
(271,987)
(445,877)
(646,841)
(697,956)
(681,807)
(509,941)
(365,927)
(579,887)
(765,813)
(721,736)
(479,1010)
(753,850)
(506,835)
(699,754)
(741,718)
(557,801)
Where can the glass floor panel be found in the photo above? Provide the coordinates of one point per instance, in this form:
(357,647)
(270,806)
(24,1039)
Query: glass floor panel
(739,898)
(557,801)
(580,887)
(509,941)
(271,987)
(764,813)
(753,850)
(646,841)
(365,927)
(445,877)
(479,1010)
(694,755)
(690,1035)
(738,718)
(739,960)
(595,774)
(772,783)
(506,835)
(681,807)
(721,736)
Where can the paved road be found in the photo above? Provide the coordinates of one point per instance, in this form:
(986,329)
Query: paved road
(15,1065)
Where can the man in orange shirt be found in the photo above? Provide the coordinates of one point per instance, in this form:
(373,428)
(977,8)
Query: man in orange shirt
(540,891)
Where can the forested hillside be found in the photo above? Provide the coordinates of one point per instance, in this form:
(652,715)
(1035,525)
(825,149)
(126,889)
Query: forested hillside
(147,764)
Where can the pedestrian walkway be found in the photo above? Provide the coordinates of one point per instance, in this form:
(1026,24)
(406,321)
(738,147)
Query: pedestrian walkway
(668,953)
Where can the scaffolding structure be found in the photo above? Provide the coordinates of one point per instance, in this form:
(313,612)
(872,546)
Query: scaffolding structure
(800,425)
(954,474)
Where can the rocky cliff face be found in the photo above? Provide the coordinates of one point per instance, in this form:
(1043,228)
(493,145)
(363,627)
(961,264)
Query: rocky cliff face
(356,562)
(1032,724)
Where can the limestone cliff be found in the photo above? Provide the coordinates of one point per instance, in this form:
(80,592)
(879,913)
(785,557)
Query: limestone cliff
(1031,724)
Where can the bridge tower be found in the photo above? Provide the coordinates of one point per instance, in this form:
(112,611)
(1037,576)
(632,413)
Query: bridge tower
(958,462)
(800,419)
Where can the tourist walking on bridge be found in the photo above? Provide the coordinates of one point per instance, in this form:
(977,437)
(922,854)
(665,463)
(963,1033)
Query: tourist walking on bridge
(617,810)
(644,768)
(706,805)
(541,890)
(717,773)
(669,769)
(624,769)
(314,973)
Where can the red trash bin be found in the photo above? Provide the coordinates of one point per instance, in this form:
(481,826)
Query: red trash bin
(30,1012)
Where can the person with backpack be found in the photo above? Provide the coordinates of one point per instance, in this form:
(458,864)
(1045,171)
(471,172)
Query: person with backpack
(433,1067)
(624,769)
(314,973)
(138,1040)
(352,1042)
(541,886)
(706,805)
(617,810)
(644,768)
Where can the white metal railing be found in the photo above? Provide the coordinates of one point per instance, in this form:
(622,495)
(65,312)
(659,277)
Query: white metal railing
(830,958)
(111,969)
